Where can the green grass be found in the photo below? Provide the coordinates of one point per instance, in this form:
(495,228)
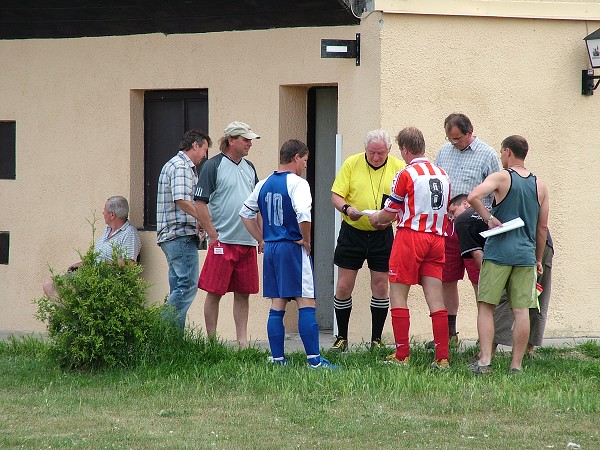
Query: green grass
(203,394)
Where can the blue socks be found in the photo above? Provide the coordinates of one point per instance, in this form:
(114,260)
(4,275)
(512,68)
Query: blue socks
(307,327)
(309,333)
(276,333)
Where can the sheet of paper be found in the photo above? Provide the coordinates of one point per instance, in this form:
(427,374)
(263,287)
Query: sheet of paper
(366,212)
(506,226)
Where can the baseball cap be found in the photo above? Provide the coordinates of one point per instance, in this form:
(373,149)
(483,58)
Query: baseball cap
(240,129)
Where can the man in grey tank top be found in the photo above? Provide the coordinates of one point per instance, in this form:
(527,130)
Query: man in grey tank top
(511,259)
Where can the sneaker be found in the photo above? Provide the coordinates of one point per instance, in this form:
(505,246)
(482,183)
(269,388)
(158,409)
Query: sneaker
(277,362)
(340,345)
(476,369)
(392,359)
(376,344)
(323,364)
(441,364)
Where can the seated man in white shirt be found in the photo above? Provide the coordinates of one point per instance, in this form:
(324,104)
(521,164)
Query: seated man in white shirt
(119,233)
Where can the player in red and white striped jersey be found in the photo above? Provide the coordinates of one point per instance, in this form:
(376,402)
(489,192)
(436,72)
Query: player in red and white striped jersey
(418,197)
(419,200)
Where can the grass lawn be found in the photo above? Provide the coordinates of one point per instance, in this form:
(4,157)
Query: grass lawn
(207,395)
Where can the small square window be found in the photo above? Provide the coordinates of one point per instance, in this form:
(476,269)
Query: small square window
(8,150)
(4,242)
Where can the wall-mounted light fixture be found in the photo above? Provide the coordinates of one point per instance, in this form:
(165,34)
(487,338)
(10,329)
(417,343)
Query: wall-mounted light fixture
(588,76)
(338,48)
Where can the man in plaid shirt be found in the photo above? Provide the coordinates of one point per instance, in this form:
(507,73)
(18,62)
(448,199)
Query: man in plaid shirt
(468,161)
(176,220)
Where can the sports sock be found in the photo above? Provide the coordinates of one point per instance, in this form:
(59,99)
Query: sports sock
(379,312)
(401,327)
(452,324)
(439,323)
(309,333)
(342,308)
(276,333)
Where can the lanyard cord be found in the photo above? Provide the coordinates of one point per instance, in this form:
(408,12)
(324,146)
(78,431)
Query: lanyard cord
(380,180)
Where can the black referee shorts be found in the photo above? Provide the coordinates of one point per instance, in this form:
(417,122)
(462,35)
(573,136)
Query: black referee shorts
(354,246)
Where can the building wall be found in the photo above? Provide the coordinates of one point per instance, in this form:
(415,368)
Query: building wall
(510,76)
(78,104)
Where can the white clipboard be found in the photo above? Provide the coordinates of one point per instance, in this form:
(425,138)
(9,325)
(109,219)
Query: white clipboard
(367,212)
(506,226)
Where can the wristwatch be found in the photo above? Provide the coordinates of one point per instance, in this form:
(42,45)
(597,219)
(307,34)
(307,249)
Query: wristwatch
(490,218)
(345,209)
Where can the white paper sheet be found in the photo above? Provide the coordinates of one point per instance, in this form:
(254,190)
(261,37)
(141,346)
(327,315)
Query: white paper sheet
(367,212)
(506,226)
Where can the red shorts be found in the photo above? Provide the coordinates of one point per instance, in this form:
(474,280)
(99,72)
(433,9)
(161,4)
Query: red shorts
(454,268)
(414,255)
(472,270)
(233,270)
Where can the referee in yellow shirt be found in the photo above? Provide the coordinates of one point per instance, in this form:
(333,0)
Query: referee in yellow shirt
(363,183)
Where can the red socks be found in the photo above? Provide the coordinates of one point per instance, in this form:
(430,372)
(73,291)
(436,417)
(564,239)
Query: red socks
(439,323)
(401,326)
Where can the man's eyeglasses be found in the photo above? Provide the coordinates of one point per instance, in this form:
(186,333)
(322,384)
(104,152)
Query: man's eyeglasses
(455,140)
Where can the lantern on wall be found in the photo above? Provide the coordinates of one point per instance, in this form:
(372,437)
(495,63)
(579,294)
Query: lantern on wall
(588,77)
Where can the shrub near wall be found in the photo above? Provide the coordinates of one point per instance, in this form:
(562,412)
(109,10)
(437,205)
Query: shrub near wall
(100,318)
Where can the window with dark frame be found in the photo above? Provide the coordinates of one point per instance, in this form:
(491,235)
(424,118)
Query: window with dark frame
(8,150)
(4,246)
(167,116)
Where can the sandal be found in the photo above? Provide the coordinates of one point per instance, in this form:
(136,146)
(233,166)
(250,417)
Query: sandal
(480,370)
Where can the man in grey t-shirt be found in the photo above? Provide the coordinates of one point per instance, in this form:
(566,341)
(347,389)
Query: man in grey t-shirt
(225,182)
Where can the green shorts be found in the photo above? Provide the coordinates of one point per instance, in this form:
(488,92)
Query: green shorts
(519,282)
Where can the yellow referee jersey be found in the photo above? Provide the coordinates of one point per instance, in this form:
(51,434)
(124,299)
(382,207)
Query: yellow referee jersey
(363,187)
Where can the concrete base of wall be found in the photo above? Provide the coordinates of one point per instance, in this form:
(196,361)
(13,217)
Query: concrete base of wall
(293,342)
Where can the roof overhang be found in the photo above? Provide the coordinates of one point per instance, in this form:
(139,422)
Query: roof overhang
(41,19)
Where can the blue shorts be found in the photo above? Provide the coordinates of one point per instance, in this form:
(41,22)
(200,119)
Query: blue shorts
(287,271)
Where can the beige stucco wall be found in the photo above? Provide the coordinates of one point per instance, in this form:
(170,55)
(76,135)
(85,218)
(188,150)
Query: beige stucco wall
(78,104)
(510,76)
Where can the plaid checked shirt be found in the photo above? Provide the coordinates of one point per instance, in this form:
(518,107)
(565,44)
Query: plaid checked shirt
(126,239)
(176,182)
(469,167)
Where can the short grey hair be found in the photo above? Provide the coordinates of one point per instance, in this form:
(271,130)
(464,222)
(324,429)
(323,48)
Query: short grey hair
(378,136)
(119,206)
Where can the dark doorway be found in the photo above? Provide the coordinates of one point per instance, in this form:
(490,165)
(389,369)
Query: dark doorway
(321,139)
(167,116)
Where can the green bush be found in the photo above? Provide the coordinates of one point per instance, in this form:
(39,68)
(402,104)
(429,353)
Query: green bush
(100,318)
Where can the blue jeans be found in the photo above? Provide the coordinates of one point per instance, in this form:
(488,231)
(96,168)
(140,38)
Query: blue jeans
(182,257)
